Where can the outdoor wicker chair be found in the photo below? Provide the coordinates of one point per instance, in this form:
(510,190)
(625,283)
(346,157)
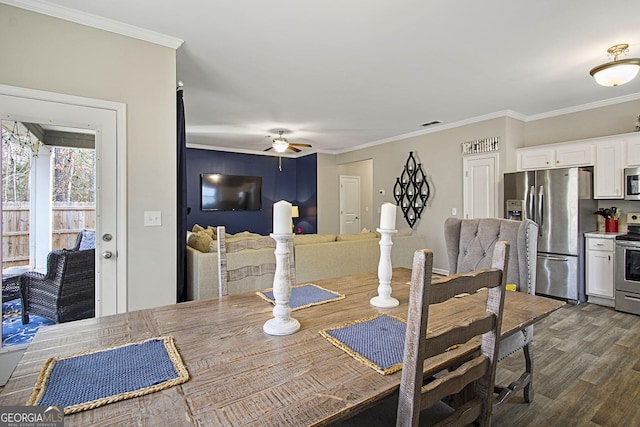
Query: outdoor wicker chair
(67,291)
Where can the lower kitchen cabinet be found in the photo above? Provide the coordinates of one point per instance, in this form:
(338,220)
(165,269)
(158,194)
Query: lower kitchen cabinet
(599,269)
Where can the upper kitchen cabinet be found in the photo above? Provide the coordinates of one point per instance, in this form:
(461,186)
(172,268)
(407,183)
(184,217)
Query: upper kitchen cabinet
(633,149)
(535,158)
(608,168)
(555,156)
(580,154)
(608,155)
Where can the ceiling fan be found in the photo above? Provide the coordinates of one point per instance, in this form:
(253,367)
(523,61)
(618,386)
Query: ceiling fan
(280,144)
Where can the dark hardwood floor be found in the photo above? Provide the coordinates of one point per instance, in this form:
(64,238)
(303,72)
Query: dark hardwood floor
(586,371)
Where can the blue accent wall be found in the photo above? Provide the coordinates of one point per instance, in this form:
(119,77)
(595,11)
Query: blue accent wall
(296,183)
(307,194)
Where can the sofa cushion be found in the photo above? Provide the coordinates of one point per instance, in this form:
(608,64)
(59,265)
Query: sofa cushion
(310,239)
(200,241)
(357,236)
(243,235)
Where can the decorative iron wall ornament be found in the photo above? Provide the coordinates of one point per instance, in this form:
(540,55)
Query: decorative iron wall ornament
(481,145)
(411,190)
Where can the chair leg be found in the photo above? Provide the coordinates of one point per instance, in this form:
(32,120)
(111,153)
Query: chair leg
(528,358)
(24,302)
(525,382)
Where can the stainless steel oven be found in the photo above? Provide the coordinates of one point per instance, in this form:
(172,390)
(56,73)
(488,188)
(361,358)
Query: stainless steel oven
(627,267)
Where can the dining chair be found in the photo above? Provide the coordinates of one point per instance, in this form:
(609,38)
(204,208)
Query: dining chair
(462,391)
(470,244)
(228,245)
(421,344)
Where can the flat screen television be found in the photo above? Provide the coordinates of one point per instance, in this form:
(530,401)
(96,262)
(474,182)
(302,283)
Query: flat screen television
(231,192)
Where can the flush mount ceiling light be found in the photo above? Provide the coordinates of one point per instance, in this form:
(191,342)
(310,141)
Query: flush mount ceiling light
(280,144)
(618,71)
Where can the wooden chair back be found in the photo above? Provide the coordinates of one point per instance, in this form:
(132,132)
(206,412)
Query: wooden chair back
(225,248)
(420,344)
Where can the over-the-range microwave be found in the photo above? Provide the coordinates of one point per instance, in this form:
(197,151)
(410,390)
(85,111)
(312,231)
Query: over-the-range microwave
(632,184)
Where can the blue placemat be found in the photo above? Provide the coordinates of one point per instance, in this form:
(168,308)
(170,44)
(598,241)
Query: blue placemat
(376,341)
(91,379)
(303,296)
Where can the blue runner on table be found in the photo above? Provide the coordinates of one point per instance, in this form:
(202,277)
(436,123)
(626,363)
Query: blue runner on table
(377,341)
(88,380)
(303,296)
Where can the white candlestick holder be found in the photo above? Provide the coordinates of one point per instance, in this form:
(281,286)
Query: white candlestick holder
(282,323)
(384,298)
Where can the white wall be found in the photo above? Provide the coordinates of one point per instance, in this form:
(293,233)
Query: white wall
(610,120)
(440,153)
(45,53)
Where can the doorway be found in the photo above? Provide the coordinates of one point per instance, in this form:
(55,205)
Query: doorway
(108,120)
(349,204)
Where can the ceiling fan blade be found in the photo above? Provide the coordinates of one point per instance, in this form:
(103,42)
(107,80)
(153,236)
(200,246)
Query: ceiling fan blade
(294,149)
(301,145)
(267,149)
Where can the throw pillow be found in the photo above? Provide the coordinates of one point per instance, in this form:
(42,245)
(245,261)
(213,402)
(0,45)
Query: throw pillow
(200,241)
(88,240)
(197,228)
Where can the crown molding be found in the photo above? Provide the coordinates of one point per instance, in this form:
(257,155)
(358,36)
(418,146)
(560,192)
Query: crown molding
(95,21)
(437,128)
(241,150)
(584,107)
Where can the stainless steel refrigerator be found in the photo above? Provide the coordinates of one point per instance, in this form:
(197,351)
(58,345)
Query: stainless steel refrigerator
(561,202)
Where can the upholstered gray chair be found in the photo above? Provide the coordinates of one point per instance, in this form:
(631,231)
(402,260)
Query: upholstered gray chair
(470,244)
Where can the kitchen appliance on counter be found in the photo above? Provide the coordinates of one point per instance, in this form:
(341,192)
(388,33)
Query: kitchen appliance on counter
(561,202)
(632,184)
(627,267)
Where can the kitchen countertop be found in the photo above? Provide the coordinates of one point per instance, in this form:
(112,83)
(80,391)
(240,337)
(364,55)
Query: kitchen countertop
(603,234)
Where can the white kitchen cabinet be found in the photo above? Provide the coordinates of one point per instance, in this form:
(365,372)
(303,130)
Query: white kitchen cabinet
(599,270)
(555,156)
(633,149)
(608,170)
(574,155)
(535,158)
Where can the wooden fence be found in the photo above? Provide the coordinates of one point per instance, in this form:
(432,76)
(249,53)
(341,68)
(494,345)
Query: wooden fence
(68,220)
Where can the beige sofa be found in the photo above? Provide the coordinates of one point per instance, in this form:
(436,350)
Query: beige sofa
(316,257)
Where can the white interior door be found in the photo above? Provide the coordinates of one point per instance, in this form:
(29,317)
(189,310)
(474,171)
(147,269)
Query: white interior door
(480,192)
(349,204)
(104,122)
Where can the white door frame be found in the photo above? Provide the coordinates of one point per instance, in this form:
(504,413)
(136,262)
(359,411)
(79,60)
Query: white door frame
(118,127)
(492,186)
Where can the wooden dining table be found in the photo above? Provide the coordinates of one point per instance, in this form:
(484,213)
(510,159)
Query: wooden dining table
(241,376)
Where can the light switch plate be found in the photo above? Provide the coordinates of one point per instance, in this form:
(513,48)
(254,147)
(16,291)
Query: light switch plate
(152,218)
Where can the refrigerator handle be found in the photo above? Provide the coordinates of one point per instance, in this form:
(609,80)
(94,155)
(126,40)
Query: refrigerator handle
(530,202)
(553,258)
(540,209)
